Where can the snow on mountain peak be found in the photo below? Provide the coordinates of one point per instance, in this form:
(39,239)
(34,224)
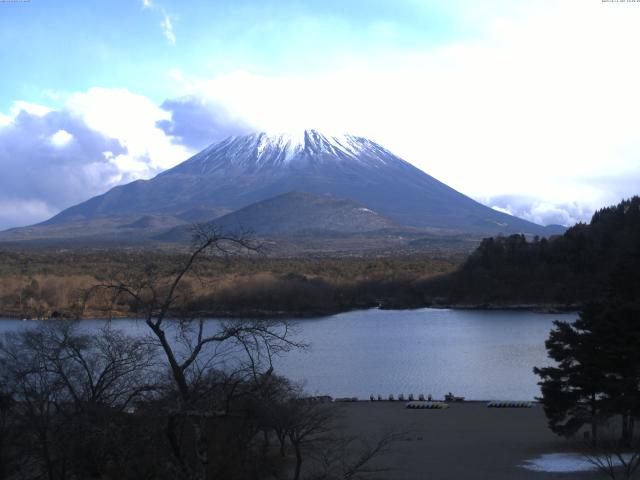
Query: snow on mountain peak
(263,149)
(312,141)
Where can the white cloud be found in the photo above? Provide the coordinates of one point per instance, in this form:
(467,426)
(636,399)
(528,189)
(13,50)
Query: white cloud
(61,138)
(31,108)
(53,95)
(197,123)
(166,23)
(131,119)
(176,74)
(52,159)
(167,29)
(135,167)
(23,212)
(43,171)
(544,212)
(502,209)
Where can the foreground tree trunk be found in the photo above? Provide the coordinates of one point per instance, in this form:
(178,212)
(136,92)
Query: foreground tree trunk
(594,421)
(296,475)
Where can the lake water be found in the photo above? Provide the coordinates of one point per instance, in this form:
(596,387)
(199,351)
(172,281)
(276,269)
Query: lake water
(481,355)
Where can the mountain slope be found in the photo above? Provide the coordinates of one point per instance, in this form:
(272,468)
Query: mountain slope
(300,211)
(243,170)
(295,213)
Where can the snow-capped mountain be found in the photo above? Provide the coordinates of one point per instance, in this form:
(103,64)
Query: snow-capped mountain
(240,171)
(262,151)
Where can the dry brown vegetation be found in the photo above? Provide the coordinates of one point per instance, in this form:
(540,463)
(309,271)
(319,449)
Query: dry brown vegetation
(56,283)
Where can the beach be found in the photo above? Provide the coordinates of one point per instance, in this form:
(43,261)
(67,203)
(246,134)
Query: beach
(466,441)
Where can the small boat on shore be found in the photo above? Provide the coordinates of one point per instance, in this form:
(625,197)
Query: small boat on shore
(450,397)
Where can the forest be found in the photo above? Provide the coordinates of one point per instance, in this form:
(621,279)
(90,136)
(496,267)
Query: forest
(588,262)
(45,284)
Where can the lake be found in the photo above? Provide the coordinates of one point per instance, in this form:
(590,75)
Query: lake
(478,354)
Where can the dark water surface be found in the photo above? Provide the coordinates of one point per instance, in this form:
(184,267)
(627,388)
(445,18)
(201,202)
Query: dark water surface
(478,354)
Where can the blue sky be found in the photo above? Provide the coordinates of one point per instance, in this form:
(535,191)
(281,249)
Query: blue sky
(529,107)
(73,45)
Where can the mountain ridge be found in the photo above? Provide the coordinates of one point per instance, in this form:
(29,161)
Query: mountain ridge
(294,213)
(240,171)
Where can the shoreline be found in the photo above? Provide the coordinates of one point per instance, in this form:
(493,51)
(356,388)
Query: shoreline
(542,308)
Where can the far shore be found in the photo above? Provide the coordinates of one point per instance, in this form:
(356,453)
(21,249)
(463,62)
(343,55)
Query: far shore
(543,308)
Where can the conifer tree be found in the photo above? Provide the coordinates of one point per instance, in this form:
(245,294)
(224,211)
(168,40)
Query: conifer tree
(597,372)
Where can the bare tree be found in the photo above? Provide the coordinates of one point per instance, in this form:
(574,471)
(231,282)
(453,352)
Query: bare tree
(192,346)
(38,394)
(353,458)
(65,382)
(8,433)
(313,429)
(613,457)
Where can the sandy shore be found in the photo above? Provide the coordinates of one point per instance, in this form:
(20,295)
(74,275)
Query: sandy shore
(466,441)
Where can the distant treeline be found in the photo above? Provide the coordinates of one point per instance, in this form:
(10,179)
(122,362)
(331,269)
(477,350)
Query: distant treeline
(56,283)
(589,262)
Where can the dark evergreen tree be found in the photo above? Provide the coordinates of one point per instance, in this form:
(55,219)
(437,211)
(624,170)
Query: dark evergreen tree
(573,391)
(597,372)
(617,327)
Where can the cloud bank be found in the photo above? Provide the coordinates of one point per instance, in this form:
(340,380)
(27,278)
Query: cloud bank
(542,212)
(52,159)
(197,122)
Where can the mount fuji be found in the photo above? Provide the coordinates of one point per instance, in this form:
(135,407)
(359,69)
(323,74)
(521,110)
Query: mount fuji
(240,171)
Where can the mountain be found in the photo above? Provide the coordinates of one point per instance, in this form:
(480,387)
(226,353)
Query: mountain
(240,171)
(296,213)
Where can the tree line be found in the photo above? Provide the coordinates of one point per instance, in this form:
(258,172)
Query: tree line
(53,284)
(588,262)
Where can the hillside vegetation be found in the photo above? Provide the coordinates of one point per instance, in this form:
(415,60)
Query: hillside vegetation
(589,262)
(44,284)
